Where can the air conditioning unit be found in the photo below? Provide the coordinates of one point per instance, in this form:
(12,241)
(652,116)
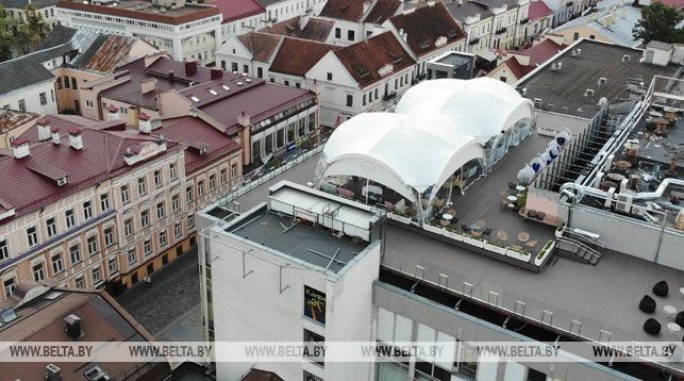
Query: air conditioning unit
(624,203)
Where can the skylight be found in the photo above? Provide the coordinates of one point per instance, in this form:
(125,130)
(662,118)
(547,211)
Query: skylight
(194,99)
(213,92)
(225,87)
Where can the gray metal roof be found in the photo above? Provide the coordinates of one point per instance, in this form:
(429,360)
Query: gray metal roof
(22,72)
(23,3)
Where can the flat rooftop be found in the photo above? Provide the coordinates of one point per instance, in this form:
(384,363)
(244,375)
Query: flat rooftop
(453,59)
(144,10)
(563,90)
(318,247)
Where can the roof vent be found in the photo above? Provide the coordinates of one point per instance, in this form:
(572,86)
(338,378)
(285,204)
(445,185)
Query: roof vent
(602,81)
(239,83)
(43,129)
(21,148)
(53,373)
(589,93)
(73,327)
(248,80)
(95,373)
(537,102)
(626,58)
(75,139)
(56,140)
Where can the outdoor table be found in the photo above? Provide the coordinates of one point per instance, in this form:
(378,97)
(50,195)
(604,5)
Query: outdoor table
(669,310)
(673,328)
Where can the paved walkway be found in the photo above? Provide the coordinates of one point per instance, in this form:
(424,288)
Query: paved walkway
(174,291)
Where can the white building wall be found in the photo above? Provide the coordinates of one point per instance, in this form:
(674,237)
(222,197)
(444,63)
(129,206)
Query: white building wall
(31,97)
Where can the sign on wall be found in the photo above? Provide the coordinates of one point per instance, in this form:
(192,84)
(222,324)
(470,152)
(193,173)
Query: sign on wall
(314,304)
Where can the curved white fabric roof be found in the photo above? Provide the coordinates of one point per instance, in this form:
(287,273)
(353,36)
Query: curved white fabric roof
(482,107)
(403,152)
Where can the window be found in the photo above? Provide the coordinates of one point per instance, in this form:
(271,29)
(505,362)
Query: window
(109,236)
(592,37)
(200,188)
(73,83)
(364,99)
(315,342)
(212,182)
(79,282)
(286,83)
(32,235)
(59,83)
(260,72)
(191,221)
(125,196)
(87,210)
(57,265)
(104,202)
(175,202)
(188,193)
(160,210)
(350,35)
(51,227)
(38,272)
(162,238)
(43,99)
(75,254)
(128,227)
(158,178)
(113,266)
(233,67)
(178,230)
(132,257)
(89,104)
(329,76)
(92,245)
(575,36)
(338,33)
(142,186)
(350,100)
(97,276)
(145,218)
(224,176)
(173,171)
(245,69)
(9,285)
(4,250)
(66,82)
(22,105)
(147,247)
(502,79)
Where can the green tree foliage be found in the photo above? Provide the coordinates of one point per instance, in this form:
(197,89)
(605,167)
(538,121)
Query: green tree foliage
(7,28)
(33,30)
(659,22)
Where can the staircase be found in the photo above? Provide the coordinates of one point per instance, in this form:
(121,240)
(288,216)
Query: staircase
(579,250)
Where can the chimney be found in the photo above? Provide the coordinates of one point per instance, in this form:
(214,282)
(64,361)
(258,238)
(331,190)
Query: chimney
(56,140)
(243,119)
(73,325)
(172,76)
(190,68)
(53,373)
(43,129)
(21,148)
(431,3)
(148,85)
(216,74)
(366,6)
(75,138)
(144,123)
(112,113)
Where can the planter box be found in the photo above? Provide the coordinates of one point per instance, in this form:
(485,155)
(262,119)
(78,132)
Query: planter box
(517,255)
(540,259)
(495,249)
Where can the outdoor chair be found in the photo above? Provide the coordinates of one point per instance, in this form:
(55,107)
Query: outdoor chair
(647,304)
(652,326)
(661,289)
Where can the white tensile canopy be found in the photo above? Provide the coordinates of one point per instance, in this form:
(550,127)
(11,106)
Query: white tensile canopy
(482,107)
(404,152)
(439,126)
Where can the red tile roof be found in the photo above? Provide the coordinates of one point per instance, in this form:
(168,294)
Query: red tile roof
(260,102)
(383,10)
(220,89)
(297,56)
(537,10)
(99,160)
(352,10)
(363,59)
(114,51)
(426,25)
(542,51)
(515,67)
(237,9)
(261,45)
(189,12)
(315,29)
(189,131)
(102,319)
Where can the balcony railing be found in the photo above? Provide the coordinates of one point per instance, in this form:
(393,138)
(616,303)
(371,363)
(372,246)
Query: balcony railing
(501,31)
(389,96)
(524,21)
(474,41)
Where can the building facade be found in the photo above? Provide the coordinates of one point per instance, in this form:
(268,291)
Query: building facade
(185,31)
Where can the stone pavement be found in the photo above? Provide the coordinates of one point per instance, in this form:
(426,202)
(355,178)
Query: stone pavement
(173,293)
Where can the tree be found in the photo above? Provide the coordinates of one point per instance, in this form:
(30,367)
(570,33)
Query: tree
(7,40)
(659,22)
(33,31)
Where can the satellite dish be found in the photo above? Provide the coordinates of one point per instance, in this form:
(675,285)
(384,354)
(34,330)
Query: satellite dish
(603,101)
